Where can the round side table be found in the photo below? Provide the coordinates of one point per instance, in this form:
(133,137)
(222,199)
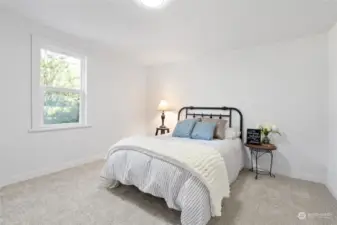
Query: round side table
(257,151)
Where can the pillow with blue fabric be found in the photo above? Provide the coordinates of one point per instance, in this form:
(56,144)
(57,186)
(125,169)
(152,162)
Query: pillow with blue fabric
(184,128)
(203,131)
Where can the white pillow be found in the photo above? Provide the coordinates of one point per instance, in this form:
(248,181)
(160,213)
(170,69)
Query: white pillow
(232,133)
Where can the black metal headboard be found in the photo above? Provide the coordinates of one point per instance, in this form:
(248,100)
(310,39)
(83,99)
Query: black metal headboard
(228,114)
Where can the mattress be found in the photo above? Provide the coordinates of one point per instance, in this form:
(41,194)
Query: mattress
(231,151)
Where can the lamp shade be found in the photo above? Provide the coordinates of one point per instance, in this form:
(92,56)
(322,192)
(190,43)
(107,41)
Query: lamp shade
(163,106)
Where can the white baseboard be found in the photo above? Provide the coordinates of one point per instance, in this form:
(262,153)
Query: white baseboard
(46,171)
(332,190)
(295,175)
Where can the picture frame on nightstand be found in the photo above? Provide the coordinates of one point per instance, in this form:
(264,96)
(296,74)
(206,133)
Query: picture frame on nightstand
(253,136)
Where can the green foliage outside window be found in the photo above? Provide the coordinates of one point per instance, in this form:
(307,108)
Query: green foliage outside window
(60,71)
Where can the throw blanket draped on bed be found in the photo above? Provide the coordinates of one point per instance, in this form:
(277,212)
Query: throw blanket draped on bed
(200,160)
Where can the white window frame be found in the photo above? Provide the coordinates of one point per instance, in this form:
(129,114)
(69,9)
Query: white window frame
(37,91)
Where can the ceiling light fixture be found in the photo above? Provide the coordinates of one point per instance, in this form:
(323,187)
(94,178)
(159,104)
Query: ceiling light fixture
(152,3)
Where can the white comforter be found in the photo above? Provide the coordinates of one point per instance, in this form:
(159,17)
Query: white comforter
(191,177)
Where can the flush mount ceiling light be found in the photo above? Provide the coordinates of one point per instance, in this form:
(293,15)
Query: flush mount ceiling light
(153,4)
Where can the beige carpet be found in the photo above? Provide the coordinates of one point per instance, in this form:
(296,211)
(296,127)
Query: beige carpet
(73,197)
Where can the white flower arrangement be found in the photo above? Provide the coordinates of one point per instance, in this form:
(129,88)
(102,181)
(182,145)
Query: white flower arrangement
(266,130)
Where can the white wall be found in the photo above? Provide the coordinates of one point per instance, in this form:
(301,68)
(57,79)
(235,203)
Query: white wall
(332,170)
(116,91)
(285,83)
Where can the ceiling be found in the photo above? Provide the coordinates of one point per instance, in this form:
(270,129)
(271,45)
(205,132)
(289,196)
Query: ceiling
(185,28)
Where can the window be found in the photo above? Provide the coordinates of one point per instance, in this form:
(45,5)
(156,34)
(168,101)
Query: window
(58,87)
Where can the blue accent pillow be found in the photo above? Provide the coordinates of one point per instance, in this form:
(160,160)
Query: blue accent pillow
(184,128)
(203,131)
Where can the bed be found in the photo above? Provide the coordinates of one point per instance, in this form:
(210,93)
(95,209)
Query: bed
(193,176)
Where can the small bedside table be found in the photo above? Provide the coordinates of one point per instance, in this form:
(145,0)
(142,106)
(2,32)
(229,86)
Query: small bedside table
(163,130)
(258,151)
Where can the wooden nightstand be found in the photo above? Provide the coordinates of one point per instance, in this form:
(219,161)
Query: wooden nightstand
(258,151)
(163,130)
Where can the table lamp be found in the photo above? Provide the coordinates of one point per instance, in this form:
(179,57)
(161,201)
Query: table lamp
(163,106)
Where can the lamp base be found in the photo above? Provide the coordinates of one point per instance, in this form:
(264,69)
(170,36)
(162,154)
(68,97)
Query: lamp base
(162,121)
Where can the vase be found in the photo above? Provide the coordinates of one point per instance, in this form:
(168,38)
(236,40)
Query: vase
(266,140)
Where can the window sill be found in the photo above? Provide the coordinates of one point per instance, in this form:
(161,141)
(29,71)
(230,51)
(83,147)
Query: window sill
(48,129)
